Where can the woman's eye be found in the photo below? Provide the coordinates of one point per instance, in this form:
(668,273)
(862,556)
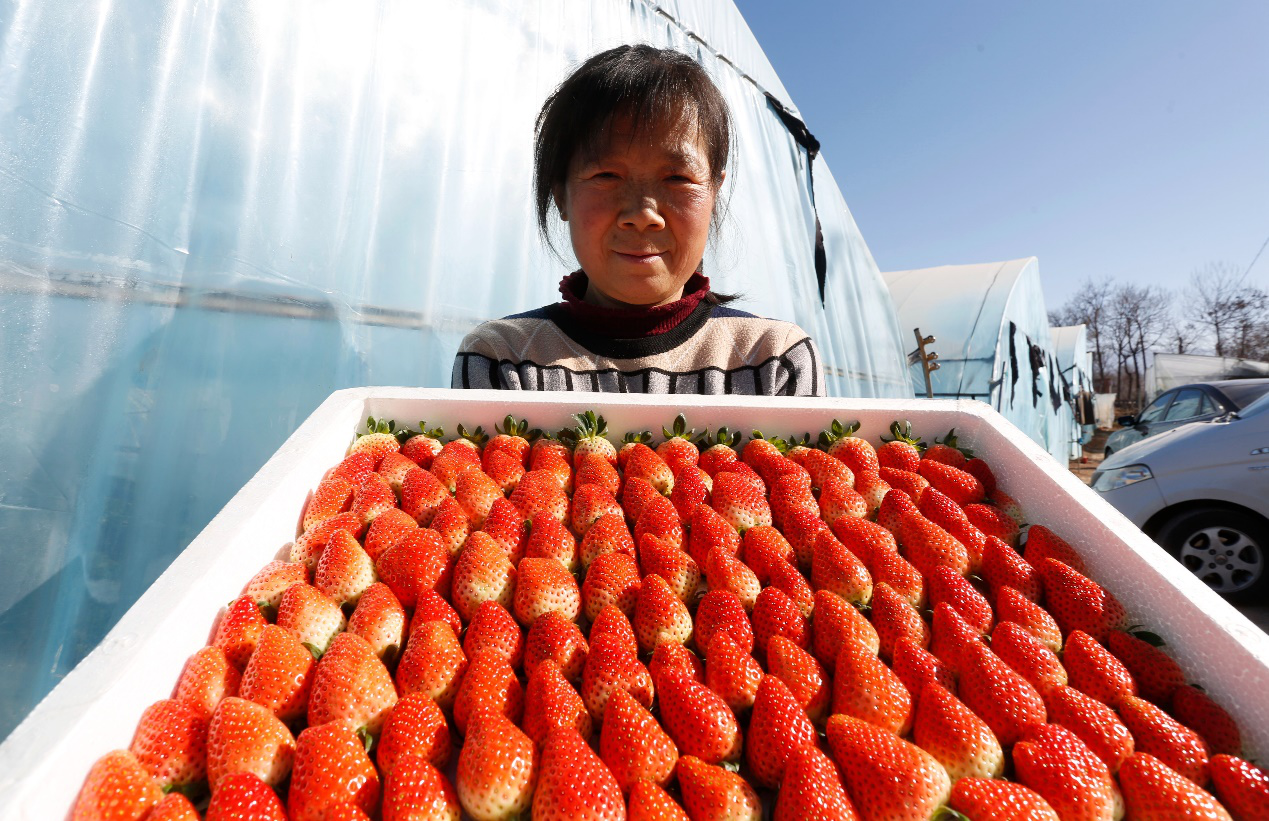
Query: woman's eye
(605,175)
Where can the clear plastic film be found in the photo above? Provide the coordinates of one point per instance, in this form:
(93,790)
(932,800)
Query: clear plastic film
(215,213)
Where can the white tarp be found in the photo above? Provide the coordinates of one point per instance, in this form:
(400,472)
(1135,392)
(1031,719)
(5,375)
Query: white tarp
(1104,410)
(1167,370)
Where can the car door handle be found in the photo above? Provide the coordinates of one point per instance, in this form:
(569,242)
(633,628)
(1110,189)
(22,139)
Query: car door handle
(1260,452)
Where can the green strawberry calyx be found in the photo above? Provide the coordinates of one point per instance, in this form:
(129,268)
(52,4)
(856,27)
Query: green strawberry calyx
(836,431)
(902,432)
(679,429)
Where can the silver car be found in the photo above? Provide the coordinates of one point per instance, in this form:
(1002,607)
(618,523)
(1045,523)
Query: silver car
(1202,492)
(1199,402)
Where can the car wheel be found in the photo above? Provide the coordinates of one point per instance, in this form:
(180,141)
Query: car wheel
(1225,548)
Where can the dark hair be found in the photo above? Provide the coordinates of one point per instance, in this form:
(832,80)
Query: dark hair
(649,85)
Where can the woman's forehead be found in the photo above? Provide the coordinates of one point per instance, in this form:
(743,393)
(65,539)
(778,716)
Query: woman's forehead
(679,139)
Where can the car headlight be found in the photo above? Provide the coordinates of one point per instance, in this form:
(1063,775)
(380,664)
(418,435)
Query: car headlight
(1107,480)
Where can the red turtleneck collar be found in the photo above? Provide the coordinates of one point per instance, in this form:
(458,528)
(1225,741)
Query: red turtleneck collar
(629,323)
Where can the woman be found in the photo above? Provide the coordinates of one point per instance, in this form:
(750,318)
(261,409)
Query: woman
(631,151)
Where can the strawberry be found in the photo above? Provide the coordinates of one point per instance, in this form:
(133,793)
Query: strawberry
(588,437)
(372,497)
(775,614)
(354,467)
(670,563)
(612,579)
(636,494)
(719,450)
(1028,657)
(1092,670)
(835,569)
(719,611)
(544,492)
(916,667)
(802,530)
(865,688)
(544,586)
(822,467)
(1043,543)
(1008,505)
(590,504)
(947,451)
(206,680)
(812,788)
(493,629)
(393,467)
(888,778)
(331,766)
(739,501)
(450,523)
(549,539)
(642,462)
(483,573)
(549,447)
(840,499)
(555,638)
(875,547)
(659,518)
(766,456)
(929,546)
(1003,567)
(386,530)
(805,677)
(307,549)
(513,439)
(1017,608)
(1242,787)
(280,674)
(762,548)
(239,630)
(488,685)
(244,737)
(715,794)
(242,796)
(894,620)
(117,788)
(344,570)
(960,741)
(648,802)
(380,620)
(1156,674)
(777,729)
(1196,710)
(312,616)
(433,663)
(698,719)
(1093,722)
(550,702)
(574,783)
(608,534)
(946,585)
(894,506)
(268,585)
(378,440)
(672,656)
(415,728)
(1000,696)
(992,521)
(431,607)
(677,450)
(633,745)
(660,615)
(506,525)
(475,492)
(333,495)
(497,769)
(174,807)
(723,571)
(1053,761)
(948,515)
(991,799)
(593,469)
(610,666)
(791,493)
(789,580)
(871,488)
(1159,734)
(840,442)
(1153,791)
(909,483)
(961,487)
(421,448)
(417,790)
(837,623)
(903,450)
(950,635)
(732,673)
(351,683)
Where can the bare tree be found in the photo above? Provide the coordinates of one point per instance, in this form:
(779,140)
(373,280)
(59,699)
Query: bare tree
(1091,307)
(1235,314)
(1140,318)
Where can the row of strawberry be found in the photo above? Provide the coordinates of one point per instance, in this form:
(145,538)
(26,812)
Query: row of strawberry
(658,542)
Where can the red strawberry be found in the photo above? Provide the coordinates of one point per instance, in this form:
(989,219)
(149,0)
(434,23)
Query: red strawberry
(719,450)
(888,778)
(648,802)
(961,487)
(588,437)
(777,729)
(421,496)
(1196,710)
(417,790)
(946,451)
(610,666)
(961,741)
(802,529)
(1153,791)
(415,728)
(493,630)
(513,438)
(872,488)
(835,569)
(242,796)
(719,611)
(378,441)
(812,788)
(280,674)
(896,504)
(268,585)
(660,615)
(483,573)
(790,494)
(992,521)
(636,494)
(1093,722)
(207,678)
(948,515)
(1043,543)
(1159,734)
(612,579)
(894,620)
(608,534)
(676,657)
(344,570)
(1028,657)
(174,807)
(789,580)
(659,518)
(593,469)
(837,623)
(1092,670)
(732,673)
(423,447)
(916,667)
(351,683)
(1156,674)
(544,586)
(475,493)
(677,450)
(672,564)
(715,794)
(489,684)
(1242,787)
(331,766)
(307,549)
(333,495)
(244,737)
(503,469)
(889,567)
(1053,761)
(497,769)
(450,522)
(590,503)
(373,496)
(805,677)
(1017,608)
(633,745)
(823,467)
(433,663)
(762,548)
(549,539)
(380,620)
(117,788)
(929,546)
(865,688)
(1077,602)
(840,442)
(709,530)
(946,585)
(908,483)
(1006,503)
(506,525)
(388,529)
(739,501)
(393,467)
(574,783)
(312,616)
(991,799)
(723,571)
(432,607)
(555,638)
(550,702)
(903,450)
(698,719)
(950,635)
(1001,697)
(775,614)
(355,467)
(692,487)
(1003,567)
(642,462)
(544,492)
(239,630)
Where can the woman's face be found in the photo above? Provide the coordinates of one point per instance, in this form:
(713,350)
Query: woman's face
(639,212)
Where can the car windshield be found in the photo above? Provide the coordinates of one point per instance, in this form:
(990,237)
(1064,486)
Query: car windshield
(1256,408)
(1244,394)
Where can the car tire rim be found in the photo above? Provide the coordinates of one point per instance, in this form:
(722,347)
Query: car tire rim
(1228,560)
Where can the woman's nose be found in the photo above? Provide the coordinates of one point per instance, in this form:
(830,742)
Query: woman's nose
(641,211)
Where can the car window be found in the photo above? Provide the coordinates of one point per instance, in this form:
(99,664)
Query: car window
(1186,405)
(1155,411)
(1243,394)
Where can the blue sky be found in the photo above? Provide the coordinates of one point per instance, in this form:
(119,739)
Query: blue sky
(1109,139)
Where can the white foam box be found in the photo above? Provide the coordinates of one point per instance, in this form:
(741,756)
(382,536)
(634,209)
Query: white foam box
(96,707)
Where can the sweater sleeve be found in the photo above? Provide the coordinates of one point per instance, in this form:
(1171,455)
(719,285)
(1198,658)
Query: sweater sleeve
(801,359)
(476,364)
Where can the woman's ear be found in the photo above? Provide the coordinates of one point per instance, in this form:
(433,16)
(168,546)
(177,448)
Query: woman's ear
(558,196)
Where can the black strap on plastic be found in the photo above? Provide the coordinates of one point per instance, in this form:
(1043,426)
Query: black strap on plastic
(803,137)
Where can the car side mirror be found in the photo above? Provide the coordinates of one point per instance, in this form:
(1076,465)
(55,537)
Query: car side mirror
(1126,421)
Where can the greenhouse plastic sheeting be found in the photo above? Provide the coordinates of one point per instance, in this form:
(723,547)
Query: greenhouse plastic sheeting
(214,214)
(1075,364)
(992,338)
(1167,370)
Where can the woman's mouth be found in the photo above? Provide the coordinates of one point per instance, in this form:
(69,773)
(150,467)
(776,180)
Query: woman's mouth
(639,256)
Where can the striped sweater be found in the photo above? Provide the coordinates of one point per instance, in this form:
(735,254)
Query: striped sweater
(715,350)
